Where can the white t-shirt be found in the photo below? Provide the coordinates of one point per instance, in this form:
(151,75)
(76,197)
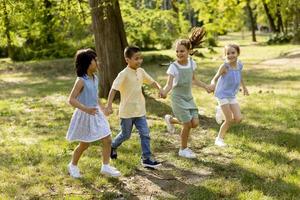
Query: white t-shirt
(172,70)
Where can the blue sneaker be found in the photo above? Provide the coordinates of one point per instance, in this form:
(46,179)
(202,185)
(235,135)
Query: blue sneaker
(150,163)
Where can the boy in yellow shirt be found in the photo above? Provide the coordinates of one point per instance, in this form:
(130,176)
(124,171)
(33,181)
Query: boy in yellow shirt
(132,109)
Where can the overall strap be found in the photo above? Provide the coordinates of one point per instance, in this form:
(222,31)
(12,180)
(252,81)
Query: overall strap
(177,67)
(192,63)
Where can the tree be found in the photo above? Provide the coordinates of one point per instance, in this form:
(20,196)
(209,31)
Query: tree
(110,40)
(252,20)
(7,27)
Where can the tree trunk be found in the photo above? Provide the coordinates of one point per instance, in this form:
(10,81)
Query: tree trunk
(49,37)
(252,20)
(7,29)
(110,40)
(280,26)
(270,18)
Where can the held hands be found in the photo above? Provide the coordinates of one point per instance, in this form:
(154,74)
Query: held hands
(107,110)
(162,93)
(210,88)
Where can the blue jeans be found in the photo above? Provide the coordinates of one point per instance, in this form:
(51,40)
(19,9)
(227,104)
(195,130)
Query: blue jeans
(125,133)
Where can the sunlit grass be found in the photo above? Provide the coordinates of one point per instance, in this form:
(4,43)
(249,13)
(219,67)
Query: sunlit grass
(262,161)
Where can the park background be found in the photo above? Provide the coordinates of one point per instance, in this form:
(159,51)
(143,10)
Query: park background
(38,41)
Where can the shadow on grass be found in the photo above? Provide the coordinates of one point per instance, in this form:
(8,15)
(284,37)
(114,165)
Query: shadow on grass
(277,188)
(156,107)
(42,88)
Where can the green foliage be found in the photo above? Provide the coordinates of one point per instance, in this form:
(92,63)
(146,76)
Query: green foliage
(54,29)
(280,39)
(150,28)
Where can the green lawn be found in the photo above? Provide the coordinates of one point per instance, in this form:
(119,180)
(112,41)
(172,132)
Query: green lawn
(262,161)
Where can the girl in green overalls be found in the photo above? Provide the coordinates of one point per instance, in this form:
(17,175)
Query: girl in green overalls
(181,75)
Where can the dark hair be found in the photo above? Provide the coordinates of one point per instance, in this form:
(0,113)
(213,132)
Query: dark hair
(83,59)
(130,50)
(235,46)
(194,40)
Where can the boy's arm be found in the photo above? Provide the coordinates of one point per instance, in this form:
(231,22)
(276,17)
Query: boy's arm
(111,96)
(156,85)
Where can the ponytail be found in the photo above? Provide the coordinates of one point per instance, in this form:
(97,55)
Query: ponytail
(195,39)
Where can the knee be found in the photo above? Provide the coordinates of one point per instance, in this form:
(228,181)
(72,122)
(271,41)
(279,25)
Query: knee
(188,125)
(229,120)
(145,134)
(194,124)
(238,119)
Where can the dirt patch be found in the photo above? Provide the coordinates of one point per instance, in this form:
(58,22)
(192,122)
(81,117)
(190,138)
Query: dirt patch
(168,182)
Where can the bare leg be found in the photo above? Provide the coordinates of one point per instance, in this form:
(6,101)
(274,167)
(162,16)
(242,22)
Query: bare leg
(82,146)
(228,120)
(174,120)
(236,111)
(106,142)
(185,131)
(195,122)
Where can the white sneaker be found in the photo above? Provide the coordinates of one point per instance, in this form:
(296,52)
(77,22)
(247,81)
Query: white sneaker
(187,153)
(219,115)
(220,142)
(170,127)
(110,171)
(73,171)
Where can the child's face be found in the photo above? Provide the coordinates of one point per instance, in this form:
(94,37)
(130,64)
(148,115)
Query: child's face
(93,66)
(135,61)
(231,54)
(182,53)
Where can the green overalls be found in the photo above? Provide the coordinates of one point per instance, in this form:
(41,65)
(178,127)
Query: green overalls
(183,105)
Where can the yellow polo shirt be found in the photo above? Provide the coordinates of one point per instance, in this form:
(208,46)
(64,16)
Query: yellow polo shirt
(129,82)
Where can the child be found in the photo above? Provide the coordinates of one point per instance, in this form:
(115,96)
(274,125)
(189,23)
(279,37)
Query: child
(88,123)
(181,75)
(226,84)
(132,108)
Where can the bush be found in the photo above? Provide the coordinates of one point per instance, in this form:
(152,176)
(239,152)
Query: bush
(296,38)
(3,52)
(280,39)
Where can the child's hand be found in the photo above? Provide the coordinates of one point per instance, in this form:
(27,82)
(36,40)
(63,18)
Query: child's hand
(211,88)
(162,94)
(245,90)
(91,111)
(208,90)
(108,110)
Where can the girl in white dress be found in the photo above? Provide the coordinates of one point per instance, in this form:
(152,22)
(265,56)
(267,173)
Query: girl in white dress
(88,123)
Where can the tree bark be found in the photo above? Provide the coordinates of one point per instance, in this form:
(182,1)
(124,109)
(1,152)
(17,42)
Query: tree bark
(7,29)
(270,18)
(280,26)
(252,20)
(110,40)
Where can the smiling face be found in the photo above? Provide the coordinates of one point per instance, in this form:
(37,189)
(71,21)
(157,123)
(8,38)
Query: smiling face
(231,54)
(135,61)
(182,54)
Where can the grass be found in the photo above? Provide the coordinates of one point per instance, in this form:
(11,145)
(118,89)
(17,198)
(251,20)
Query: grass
(262,161)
